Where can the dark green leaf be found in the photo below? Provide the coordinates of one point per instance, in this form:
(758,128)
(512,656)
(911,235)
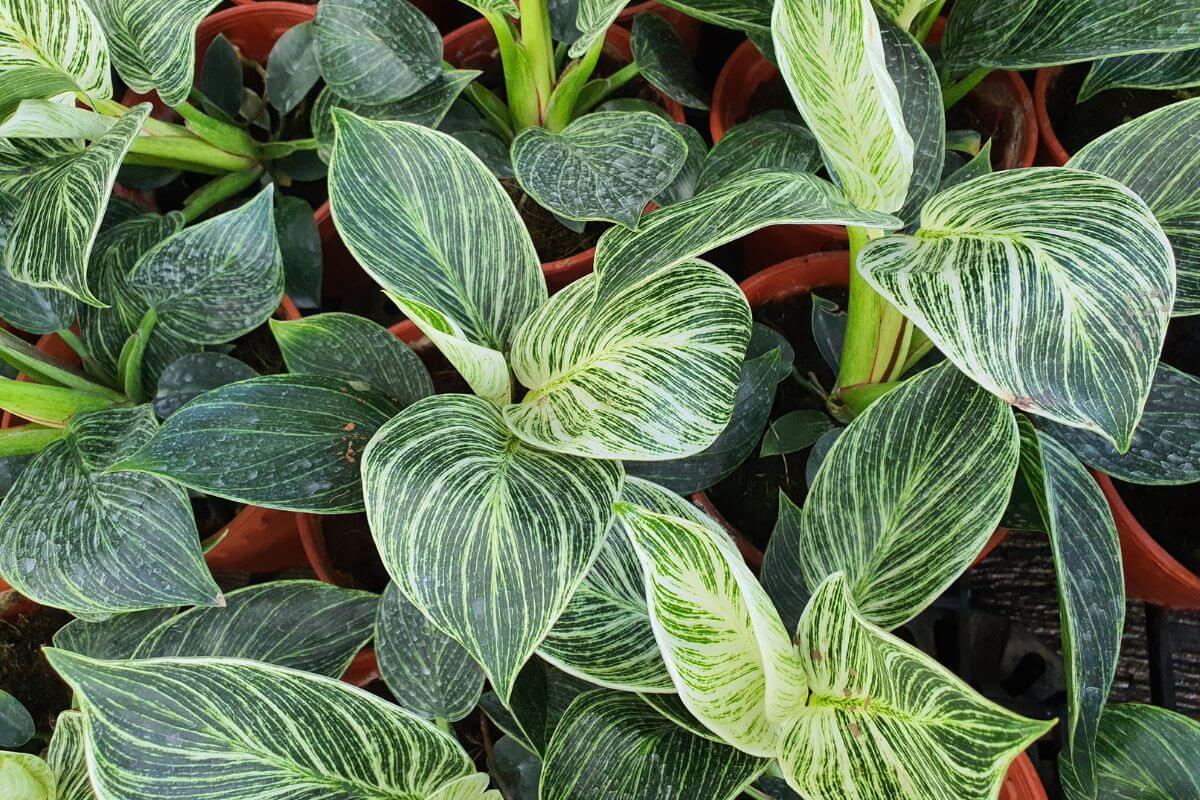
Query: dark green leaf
(829,331)
(752,16)
(540,697)
(665,63)
(16,725)
(292,69)
(518,771)
(782,575)
(300,249)
(113,638)
(980,164)
(488,148)
(191,375)
(777,140)
(817,457)
(684,185)
(221,76)
(795,431)
(1179,69)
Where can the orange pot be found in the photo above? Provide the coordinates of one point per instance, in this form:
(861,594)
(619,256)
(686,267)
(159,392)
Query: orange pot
(1050,149)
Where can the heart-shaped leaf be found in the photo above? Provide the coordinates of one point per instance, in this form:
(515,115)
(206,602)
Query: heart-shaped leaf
(665,63)
(16,725)
(67,42)
(454,499)
(1059,310)
(776,140)
(97,542)
(1179,69)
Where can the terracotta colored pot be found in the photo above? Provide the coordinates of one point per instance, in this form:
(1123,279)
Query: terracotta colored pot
(363,670)
(1022,781)
(446,14)
(1050,149)
(1002,101)
(474,47)
(687,27)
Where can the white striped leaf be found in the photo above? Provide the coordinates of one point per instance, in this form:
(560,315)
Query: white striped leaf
(649,375)
(730,657)
(1179,69)
(902,11)
(663,60)
(752,16)
(831,55)
(777,140)
(354,349)
(153,42)
(1091,587)
(1050,287)
(540,697)
(191,375)
(739,206)
(887,722)
(282,441)
(62,37)
(66,758)
(1155,156)
(305,625)
(62,205)
(604,635)
(472,260)
(97,542)
(112,638)
(48,119)
(24,776)
(217,280)
(230,729)
(472,787)
(1142,753)
(603,166)
(29,308)
(903,524)
(376,52)
(593,20)
(611,744)
(455,500)
(508,8)
(427,672)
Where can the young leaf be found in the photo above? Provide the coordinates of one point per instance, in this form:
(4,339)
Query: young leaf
(62,205)
(752,16)
(1091,587)
(454,499)
(782,574)
(472,260)
(776,140)
(905,523)
(24,776)
(730,658)
(665,63)
(906,723)
(192,375)
(1153,155)
(607,741)
(217,280)
(282,441)
(650,374)
(902,11)
(1179,69)
(427,672)
(375,52)
(116,637)
(300,250)
(47,119)
(794,431)
(16,725)
(472,787)
(832,57)
(1059,309)
(236,729)
(221,81)
(67,42)
(354,349)
(684,185)
(66,758)
(603,166)
(95,542)
(292,68)
(593,20)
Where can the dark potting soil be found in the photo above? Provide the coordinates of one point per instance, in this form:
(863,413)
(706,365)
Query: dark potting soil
(769,96)
(259,350)
(749,498)
(1076,123)
(25,673)
(551,239)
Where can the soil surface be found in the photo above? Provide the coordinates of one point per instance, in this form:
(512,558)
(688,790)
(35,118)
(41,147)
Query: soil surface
(24,672)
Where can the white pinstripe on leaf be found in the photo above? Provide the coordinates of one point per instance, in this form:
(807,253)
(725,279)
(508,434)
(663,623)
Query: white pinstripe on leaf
(63,36)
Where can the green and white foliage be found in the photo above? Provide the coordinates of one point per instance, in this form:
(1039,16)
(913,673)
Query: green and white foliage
(29,308)
(471,260)
(48,119)
(62,203)
(116,637)
(428,673)
(26,777)
(292,68)
(1179,69)
(508,8)
(664,61)
(649,373)
(216,280)
(592,20)
(152,43)
(283,441)
(686,180)
(63,38)
(903,12)
(16,724)
(375,52)
(905,522)
(66,758)
(191,375)
(1049,287)
(1155,156)
(604,636)
(1142,753)
(611,744)
(540,697)
(776,140)
(603,166)
(909,727)
(831,55)
(731,659)
(752,16)
(236,729)
(107,542)
(354,349)
(455,498)
(1091,587)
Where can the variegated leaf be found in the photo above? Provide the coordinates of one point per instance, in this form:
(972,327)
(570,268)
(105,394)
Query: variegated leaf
(66,758)
(777,140)
(731,659)
(113,638)
(540,697)
(48,119)
(24,776)
(230,729)
(217,280)
(62,205)
(29,308)
(739,206)
(752,16)
(153,42)
(191,375)
(1091,587)
(507,8)
(1155,156)
(611,744)
(472,787)
(1179,69)
(374,52)
(663,60)
(905,523)
(593,20)
(97,542)
(1049,287)
(831,55)
(604,635)
(472,260)
(887,722)
(455,499)
(903,11)
(603,166)
(63,37)
(648,375)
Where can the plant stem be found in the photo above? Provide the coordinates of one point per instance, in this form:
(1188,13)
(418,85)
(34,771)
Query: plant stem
(186,153)
(561,109)
(956,91)
(523,103)
(926,19)
(444,725)
(75,343)
(229,138)
(218,190)
(275,150)
(597,91)
(47,405)
(750,791)
(539,45)
(492,108)
(129,365)
(155,127)
(27,439)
